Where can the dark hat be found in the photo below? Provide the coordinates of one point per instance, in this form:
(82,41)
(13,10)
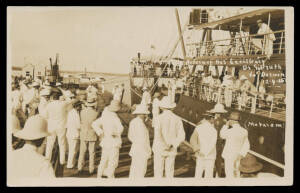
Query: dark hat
(249,164)
(259,21)
(234,116)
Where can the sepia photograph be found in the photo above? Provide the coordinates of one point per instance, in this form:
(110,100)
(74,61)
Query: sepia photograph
(150,96)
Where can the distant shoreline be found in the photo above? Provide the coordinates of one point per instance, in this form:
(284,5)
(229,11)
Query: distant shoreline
(17,68)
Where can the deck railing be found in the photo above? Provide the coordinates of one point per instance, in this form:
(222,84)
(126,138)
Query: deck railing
(265,104)
(242,45)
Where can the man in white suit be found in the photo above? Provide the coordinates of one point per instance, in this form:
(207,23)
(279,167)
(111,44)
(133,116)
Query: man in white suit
(109,128)
(236,145)
(27,163)
(205,148)
(168,134)
(140,150)
(146,97)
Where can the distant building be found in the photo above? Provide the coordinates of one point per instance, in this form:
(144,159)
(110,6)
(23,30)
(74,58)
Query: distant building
(16,71)
(39,70)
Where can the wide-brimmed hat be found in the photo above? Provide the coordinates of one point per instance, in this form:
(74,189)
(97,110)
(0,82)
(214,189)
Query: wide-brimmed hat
(114,106)
(34,84)
(91,102)
(15,124)
(47,83)
(35,128)
(218,108)
(235,116)
(228,77)
(45,92)
(144,88)
(58,84)
(259,21)
(92,95)
(26,81)
(243,77)
(249,164)
(141,109)
(69,94)
(156,94)
(166,103)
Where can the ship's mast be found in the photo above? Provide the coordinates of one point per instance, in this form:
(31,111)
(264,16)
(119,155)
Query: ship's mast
(180,35)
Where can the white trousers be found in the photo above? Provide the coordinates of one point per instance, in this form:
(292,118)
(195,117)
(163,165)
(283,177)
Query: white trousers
(232,168)
(84,145)
(162,163)
(228,97)
(109,162)
(206,166)
(73,147)
(138,167)
(62,143)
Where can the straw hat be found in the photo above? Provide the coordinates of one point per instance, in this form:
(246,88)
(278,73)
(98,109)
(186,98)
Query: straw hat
(114,106)
(91,102)
(69,94)
(92,95)
(47,83)
(228,77)
(35,128)
(15,124)
(235,116)
(156,94)
(249,164)
(141,109)
(166,103)
(58,84)
(243,77)
(218,108)
(259,21)
(26,81)
(45,92)
(34,84)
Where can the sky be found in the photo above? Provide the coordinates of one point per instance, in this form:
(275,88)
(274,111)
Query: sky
(102,39)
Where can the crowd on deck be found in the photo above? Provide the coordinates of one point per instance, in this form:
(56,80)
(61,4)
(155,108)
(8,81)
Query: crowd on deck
(44,112)
(230,89)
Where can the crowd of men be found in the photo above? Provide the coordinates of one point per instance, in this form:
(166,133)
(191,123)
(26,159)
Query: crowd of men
(227,88)
(77,120)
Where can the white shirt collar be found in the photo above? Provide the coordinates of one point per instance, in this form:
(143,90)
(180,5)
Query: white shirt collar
(236,125)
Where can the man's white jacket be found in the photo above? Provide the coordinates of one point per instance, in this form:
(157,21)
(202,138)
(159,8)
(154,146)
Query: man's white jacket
(237,142)
(168,130)
(109,128)
(138,134)
(207,137)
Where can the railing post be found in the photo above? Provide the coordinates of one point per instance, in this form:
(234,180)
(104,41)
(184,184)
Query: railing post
(280,42)
(253,104)
(270,114)
(263,46)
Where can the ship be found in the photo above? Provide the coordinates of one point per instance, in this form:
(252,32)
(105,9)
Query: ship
(226,46)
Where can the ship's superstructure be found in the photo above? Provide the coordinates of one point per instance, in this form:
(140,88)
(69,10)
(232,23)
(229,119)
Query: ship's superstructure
(238,61)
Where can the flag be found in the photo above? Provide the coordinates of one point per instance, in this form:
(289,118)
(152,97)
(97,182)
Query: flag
(152,46)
